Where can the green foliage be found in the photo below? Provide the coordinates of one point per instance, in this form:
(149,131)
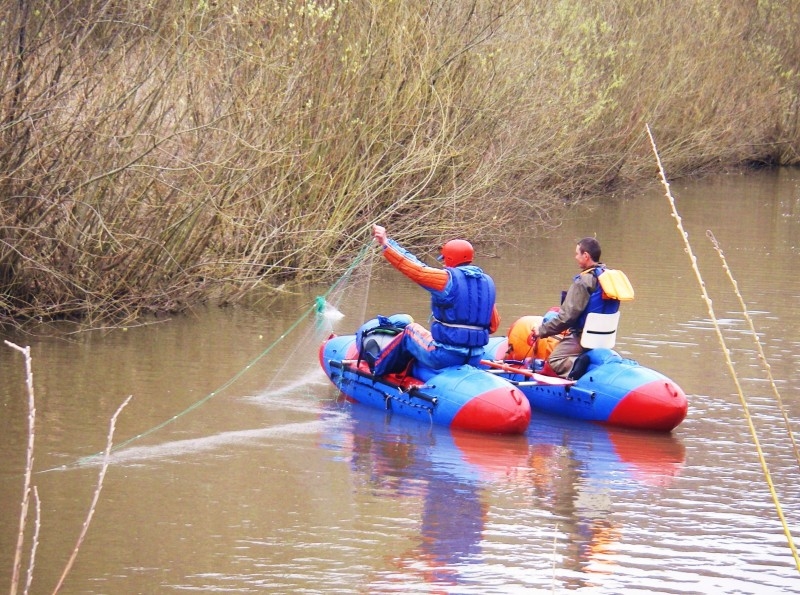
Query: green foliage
(154,154)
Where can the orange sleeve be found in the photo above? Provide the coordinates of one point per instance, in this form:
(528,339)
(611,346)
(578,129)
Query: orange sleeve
(411,267)
(494,324)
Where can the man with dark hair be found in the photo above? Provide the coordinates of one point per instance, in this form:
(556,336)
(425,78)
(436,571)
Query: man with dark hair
(583,296)
(462,306)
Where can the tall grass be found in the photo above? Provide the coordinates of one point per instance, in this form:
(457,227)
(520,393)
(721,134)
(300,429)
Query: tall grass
(156,154)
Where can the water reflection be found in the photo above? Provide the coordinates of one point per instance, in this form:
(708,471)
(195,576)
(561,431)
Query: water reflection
(239,496)
(569,473)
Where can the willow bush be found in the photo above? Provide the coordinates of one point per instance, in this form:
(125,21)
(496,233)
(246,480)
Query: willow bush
(157,154)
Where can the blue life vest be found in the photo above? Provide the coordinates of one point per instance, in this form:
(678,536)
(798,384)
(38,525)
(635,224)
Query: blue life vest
(597,303)
(462,316)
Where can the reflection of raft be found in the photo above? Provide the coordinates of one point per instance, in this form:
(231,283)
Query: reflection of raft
(612,390)
(618,457)
(463,397)
(563,469)
(605,457)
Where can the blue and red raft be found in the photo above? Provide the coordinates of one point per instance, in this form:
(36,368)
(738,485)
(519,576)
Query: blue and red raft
(613,390)
(463,397)
(498,396)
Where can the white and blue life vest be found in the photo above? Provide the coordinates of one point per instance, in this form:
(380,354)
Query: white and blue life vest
(597,302)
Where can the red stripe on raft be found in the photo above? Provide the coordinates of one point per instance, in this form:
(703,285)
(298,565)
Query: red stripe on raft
(659,405)
(321,352)
(501,351)
(501,411)
(352,351)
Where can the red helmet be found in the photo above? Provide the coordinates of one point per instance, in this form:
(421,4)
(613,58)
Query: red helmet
(456,252)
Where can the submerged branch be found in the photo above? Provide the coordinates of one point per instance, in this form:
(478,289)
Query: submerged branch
(96,497)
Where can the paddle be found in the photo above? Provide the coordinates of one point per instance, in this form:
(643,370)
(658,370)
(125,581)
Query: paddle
(540,378)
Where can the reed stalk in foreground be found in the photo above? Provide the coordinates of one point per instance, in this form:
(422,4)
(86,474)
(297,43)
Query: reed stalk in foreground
(761,356)
(725,351)
(35,541)
(96,497)
(28,489)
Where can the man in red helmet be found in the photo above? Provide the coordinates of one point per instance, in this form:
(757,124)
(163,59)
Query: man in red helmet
(462,305)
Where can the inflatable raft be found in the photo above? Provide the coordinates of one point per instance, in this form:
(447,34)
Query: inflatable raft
(463,397)
(609,389)
(498,396)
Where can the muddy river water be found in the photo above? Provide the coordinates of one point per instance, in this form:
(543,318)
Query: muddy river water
(238,468)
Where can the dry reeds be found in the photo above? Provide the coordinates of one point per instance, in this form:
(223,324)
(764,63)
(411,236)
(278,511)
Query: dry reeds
(156,155)
(29,489)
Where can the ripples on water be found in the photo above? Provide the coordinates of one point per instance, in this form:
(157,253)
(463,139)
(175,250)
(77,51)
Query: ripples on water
(281,487)
(325,496)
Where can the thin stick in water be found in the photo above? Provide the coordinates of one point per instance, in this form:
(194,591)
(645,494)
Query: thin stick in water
(26,490)
(96,497)
(35,543)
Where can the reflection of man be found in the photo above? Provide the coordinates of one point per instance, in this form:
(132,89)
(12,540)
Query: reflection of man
(578,472)
(462,305)
(453,513)
(597,550)
(452,521)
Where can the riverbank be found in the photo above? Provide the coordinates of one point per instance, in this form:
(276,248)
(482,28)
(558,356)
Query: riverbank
(156,157)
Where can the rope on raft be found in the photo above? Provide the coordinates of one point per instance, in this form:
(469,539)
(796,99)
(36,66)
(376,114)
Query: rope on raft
(726,351)
(319,306)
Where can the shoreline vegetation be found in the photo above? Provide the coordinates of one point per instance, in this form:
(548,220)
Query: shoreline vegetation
(158,155)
